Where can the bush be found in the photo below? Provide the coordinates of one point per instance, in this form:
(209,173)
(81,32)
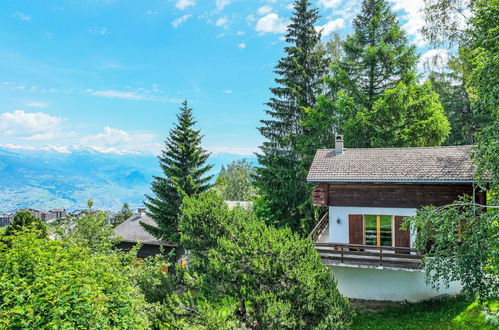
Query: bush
(51,284)
(275,278)
(24,220)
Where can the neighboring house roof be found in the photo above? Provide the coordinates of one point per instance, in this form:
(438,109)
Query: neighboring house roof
(244,204)
(132,231)
(422,164)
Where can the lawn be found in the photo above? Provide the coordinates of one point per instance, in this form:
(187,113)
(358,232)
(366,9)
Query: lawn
(450,313)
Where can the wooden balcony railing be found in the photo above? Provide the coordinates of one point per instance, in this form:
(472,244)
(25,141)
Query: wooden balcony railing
(319,227)
(369,255)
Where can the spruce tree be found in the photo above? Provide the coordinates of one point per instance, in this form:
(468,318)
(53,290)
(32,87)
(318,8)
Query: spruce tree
(377,55)
(183,163)
(281,179)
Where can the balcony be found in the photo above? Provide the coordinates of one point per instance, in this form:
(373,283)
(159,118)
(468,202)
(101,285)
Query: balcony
(361,255)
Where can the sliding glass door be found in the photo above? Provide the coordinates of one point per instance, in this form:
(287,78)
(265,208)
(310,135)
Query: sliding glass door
(378,230)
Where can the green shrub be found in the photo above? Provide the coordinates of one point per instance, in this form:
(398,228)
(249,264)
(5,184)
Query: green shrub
(52,284)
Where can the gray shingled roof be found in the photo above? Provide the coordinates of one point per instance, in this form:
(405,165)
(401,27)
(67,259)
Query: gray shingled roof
(131,231)
(429,164)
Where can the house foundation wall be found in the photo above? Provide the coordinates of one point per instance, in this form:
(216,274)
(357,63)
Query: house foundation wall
(387,284)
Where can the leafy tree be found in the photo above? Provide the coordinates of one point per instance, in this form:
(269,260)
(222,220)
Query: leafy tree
(235,183)
(281,179)
(484,61)
(47,283)
(445,21)
(23,220)
(405,116)
(122,215)
(90,203)
(465,246)
(275,278)
(185,172)
(377,54)
(91,230)
(464,234)
(457,105)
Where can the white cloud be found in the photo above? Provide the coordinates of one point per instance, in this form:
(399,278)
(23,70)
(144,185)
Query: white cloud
(331,26)
(23,17)
(113,140)
(271,23)
(241,45)
(222,21)
(243,151)
(153,94)
(179,21)
(118,94)
(414,17)
(264,10)
(30,125)
(102,30)
(182,4)
(433,60)
(227,91)
(37,104)
(329,3)
(222,3)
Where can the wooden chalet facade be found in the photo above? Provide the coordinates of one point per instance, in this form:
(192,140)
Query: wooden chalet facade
(368,194)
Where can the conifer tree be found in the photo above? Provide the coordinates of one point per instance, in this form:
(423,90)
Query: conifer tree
(281,179)
(183,163)
(377,55)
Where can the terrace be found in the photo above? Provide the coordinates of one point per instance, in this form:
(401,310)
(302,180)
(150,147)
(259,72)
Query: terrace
(357,255)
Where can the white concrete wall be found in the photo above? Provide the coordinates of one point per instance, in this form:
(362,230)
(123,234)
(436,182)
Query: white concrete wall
(387,284)
(338,232)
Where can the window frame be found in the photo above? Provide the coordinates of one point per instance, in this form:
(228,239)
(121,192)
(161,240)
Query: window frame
(378,228)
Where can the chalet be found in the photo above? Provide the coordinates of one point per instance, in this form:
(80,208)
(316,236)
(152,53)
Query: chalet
(132,232)
(368,194)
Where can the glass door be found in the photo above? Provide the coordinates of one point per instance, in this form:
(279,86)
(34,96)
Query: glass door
(378,230)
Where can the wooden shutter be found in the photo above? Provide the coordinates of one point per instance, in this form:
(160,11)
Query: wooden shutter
(355,229)
(402,237)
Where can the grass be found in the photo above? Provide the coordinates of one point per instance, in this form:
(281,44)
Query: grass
(450,313)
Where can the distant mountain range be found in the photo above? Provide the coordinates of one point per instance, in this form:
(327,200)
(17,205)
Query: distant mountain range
(52,178)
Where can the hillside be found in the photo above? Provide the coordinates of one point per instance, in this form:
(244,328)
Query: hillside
(51,179)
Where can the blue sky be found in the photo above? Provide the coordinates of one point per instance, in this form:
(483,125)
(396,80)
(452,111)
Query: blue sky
(110,74)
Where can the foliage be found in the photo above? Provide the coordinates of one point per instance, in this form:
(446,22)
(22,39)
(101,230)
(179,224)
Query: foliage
(184,166)
(91,230)
(235,183)
(122,215)
(405,116)
(483,47)
(450,313)
(445,21)
(461,244)
(456,102)
(278,278)
(281,179)
(377,55)
(275,278)
(373,98)
(47,283)
(25,220)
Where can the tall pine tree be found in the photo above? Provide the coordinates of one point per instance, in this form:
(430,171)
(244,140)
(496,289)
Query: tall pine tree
(281,179)
(183,163)
(377,55)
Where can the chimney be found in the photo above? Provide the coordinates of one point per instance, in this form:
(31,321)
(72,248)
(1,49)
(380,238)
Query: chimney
(338,145)
(141,211)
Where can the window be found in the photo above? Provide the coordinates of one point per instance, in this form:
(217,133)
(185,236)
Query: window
(378,230)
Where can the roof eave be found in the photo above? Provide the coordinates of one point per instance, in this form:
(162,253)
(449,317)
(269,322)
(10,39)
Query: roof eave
(389,181)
